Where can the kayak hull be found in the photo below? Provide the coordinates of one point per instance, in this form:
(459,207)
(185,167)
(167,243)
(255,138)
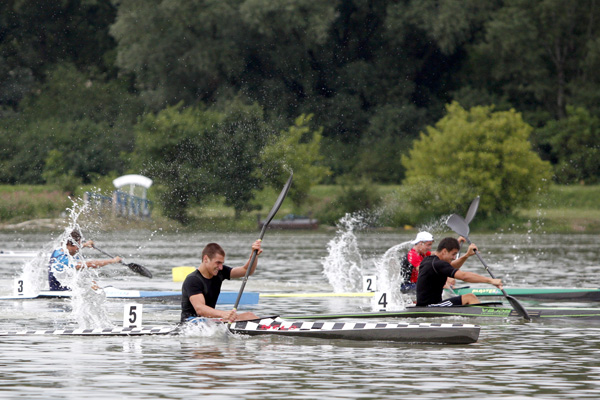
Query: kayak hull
(401,332)
(536,313)
(563,294)
(396,332)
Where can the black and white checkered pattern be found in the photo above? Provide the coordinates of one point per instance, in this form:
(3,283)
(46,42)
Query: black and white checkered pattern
(278,324)
(152,330)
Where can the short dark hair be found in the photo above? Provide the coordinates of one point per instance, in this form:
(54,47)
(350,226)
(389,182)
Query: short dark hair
(211,249)
(448,243)
(74,238)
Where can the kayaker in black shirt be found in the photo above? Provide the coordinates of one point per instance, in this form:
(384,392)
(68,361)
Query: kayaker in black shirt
(201,288)
(436,269)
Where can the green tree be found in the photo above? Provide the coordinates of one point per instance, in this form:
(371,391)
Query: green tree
(341,61)
(536,52)
(389,135)
(195,154)
(176,148)
(22,155)
(88,121)
(37,34)
(475,152)
(295,149)
(241,136)
(573,145)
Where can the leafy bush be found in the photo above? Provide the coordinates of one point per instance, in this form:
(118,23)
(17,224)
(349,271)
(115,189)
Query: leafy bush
(475,152)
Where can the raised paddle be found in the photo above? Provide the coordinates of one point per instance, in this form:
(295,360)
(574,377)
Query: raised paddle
(468,218)
(262,233)
(137,268)
(460,226)
(472,210)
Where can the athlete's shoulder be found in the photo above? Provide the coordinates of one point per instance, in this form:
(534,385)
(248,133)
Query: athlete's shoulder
(193,276)
(57,253)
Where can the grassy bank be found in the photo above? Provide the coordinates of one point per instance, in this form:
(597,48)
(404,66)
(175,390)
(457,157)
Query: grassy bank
(567,209)
(564,209)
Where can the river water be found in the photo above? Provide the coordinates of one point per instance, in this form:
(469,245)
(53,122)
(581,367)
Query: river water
(512,359)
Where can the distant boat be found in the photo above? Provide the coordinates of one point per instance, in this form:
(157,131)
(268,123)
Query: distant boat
(291,221)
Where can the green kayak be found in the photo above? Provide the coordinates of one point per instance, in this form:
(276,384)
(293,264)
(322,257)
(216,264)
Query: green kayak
(533,293)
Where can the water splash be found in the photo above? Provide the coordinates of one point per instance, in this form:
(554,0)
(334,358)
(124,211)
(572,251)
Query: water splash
(34,274)
(87,300)
(343,265)
(345,269)
(204,328)
(389,277)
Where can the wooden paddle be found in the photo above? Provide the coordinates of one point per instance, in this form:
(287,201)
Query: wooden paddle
(460,226)
(262,233)
(137,268)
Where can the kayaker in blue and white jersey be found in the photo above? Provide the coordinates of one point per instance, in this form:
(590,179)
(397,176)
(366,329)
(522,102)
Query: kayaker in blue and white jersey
(201,288)
(437,268)
(67,256)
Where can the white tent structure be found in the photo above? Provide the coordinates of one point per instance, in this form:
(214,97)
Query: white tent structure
(125,203)
(132,181)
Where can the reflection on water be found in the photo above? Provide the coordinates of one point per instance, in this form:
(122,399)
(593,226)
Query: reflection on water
(512,359)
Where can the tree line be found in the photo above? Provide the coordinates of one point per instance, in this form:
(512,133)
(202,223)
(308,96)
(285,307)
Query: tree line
(221,97)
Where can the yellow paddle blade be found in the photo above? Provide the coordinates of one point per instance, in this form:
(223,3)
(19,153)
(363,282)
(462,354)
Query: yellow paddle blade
(179,273)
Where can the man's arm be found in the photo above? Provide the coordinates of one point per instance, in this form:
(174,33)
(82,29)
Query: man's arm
(239,272)
(472,277)
(203,310)
(98,263)
(461,260)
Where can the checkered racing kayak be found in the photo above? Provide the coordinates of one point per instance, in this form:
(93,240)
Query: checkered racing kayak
(399,332)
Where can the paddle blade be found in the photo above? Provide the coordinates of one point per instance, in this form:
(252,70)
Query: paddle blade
(472,210)
(279,200)
(139,269)
(458,225)
(518,307)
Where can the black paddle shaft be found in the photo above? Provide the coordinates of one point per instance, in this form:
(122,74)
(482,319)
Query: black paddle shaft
(262,233)
(461,227)
(137,268)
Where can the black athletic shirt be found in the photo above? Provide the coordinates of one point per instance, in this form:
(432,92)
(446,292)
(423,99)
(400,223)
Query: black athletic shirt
(433,273)
(195,283)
